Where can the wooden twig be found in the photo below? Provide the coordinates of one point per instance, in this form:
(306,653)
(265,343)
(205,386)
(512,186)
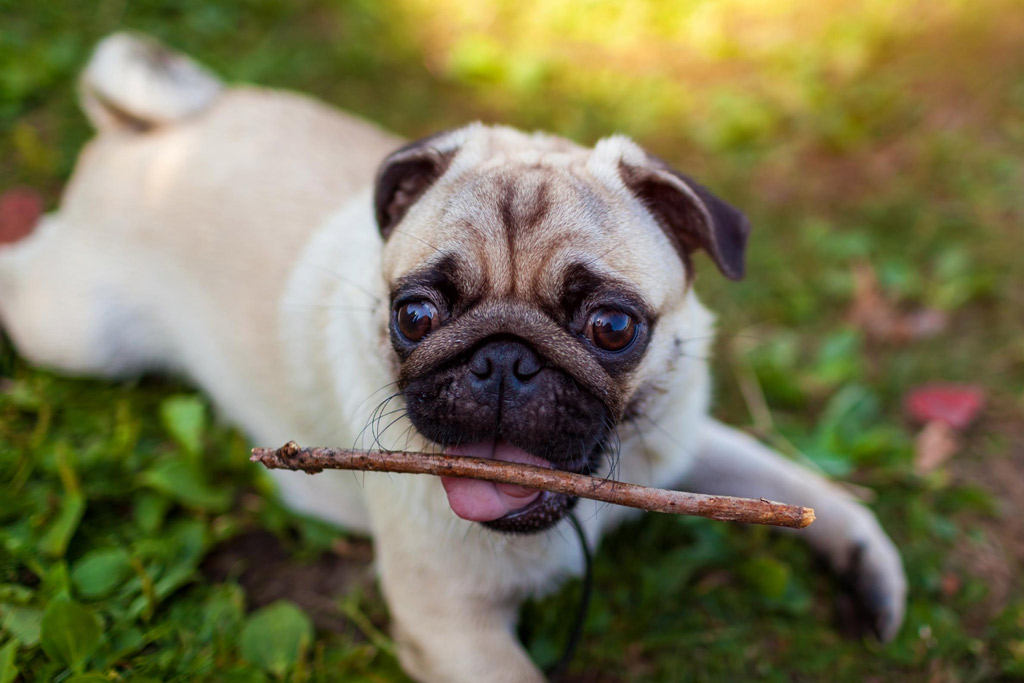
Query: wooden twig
(723,508)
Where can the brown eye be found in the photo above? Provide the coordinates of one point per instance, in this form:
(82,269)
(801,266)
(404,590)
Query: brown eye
(610,330)
(416,319)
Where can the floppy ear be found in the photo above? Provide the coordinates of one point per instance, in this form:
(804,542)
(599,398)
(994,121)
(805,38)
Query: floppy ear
(692,217)
(407,173)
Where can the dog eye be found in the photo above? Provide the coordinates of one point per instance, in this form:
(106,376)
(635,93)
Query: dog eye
(416,319)
(610,329)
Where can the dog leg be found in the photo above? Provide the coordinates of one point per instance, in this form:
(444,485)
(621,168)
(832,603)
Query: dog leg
(67,286)
(58,303)
(729,462)
(453,588)
(462,642)
(446,631)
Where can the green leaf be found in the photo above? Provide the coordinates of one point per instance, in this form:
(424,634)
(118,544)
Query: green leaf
(8,669)
(88,678)
(56,581)
(177,555)
(839,358)
(831,463)
(121,642)
(182,481)
(767,575)
(775,363)
(70,632)
(188,542)
(22,622)
(851,411)
(276,637)
(223,613)
(99,572)
(13,592)
(238,675)
(24,396)
(55,541)
(150,509)
(184,417)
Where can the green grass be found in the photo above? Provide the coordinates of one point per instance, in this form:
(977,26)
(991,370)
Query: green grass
(136,542)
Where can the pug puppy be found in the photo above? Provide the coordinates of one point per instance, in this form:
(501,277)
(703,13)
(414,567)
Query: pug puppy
(483,292)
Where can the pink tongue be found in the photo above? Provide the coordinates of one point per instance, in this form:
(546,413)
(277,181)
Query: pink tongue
(483,501)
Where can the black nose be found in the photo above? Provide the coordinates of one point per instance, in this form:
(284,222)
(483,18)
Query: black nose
(504,367)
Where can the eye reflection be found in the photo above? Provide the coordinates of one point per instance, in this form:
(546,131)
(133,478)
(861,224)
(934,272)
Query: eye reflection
(611,329)
(416,319)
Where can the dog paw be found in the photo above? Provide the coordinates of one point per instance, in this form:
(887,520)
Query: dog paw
(876,589)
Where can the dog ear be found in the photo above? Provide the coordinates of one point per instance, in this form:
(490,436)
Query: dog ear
(692,217)
(406,174)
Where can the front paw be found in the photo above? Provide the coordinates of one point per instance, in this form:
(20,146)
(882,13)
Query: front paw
(872,576)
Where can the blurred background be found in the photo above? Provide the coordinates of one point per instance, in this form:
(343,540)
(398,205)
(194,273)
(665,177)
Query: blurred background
(875,145)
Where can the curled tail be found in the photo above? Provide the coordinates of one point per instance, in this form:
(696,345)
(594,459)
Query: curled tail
(132,82)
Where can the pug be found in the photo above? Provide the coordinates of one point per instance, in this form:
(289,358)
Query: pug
(482,292)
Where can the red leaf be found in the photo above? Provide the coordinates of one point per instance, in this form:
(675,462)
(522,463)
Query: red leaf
(957,405)
(20,210)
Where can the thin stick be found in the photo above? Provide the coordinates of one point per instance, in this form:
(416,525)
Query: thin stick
(723,508)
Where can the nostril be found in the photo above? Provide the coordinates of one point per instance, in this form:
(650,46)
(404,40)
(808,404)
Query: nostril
(503,362)
(481,367)
(526,367)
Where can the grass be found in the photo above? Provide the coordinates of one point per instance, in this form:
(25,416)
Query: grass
(137,544)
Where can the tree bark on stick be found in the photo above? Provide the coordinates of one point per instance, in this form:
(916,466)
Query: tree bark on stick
(722,508)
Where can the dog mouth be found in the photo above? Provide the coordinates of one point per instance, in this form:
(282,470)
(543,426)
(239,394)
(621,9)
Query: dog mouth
(504,507)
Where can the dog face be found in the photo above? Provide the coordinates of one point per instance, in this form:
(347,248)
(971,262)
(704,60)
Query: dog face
(534,287)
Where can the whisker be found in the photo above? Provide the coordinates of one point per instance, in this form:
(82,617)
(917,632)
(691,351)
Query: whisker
(361,403)
(373,418)
(380,416)
(409,234)
(342,279)
(378,435)
(330,307)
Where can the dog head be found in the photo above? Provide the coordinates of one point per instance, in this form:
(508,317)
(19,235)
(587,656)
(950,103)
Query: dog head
(529,283)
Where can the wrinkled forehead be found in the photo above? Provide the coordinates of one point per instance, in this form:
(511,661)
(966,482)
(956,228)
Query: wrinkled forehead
(530,231)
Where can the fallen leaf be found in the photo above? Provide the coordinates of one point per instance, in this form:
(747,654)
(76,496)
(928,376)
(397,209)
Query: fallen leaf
(935,444)
(950,584)
(881,320)
(20,210)
(923,323)
(957,405)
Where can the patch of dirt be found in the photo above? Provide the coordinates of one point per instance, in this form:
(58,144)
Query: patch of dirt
(266,570)
(590,676)
(998,557)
